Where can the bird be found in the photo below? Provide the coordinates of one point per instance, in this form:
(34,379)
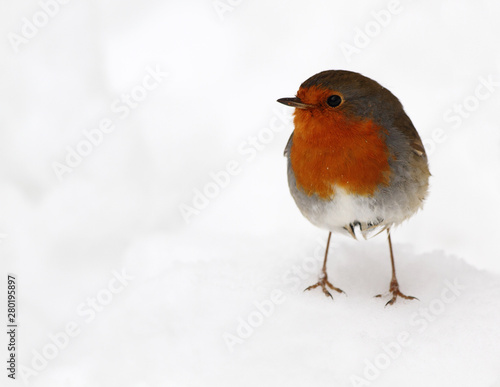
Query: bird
(356,164)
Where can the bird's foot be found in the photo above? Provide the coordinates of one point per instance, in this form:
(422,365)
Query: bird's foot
(394,289)
(325,284)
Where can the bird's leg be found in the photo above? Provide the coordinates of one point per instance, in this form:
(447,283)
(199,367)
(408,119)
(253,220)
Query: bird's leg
(394,287)
(323,279)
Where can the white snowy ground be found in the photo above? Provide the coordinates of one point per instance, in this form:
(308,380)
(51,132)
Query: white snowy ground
(115,288)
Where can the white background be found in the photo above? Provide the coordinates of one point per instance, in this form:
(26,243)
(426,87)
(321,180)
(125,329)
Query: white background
(194,281)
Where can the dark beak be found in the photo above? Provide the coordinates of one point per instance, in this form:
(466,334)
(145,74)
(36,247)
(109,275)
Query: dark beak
(294,102)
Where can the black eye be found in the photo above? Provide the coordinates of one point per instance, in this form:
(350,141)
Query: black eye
(334,100)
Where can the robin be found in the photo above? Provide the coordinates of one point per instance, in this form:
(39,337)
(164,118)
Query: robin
(356,164)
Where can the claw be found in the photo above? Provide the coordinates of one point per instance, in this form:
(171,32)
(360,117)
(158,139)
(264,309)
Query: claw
(324,283)
(394,289)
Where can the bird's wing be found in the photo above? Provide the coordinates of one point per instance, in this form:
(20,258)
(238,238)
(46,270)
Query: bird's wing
(418,147)
(405,126)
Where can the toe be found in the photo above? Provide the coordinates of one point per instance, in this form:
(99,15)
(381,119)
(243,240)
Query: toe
(311,287)
(329,284)
(327,293)
(391,301)
(407,297)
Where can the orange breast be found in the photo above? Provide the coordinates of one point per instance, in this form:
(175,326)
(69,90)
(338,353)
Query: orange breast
(332,150)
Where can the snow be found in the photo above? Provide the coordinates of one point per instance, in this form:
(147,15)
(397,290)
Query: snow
(116,288)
